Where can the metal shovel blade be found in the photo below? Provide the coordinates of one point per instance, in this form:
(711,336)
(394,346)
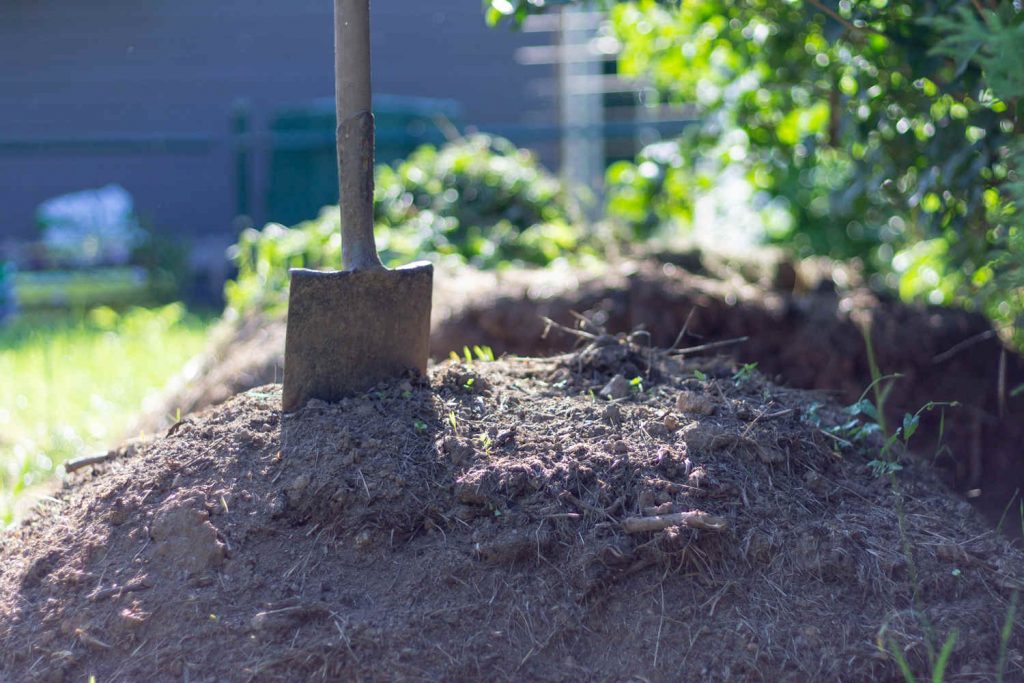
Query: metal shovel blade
(349,330)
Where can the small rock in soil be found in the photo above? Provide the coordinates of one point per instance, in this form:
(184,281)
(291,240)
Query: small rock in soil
(617,388)
(694,404)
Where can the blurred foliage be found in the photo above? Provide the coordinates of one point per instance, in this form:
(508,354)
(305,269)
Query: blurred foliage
(889,129)
(165,259)
(7,301)
(655,190)
(479,200)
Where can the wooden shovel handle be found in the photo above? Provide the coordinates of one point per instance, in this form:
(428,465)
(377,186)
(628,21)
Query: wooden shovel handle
(355,133)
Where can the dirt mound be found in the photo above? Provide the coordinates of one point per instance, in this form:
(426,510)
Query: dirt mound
(802,328)
(247,352)
(614,514)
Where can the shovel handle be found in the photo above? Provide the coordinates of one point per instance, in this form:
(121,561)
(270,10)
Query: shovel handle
(355,133)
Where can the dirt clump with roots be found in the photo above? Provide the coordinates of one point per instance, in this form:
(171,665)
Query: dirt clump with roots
(617,513)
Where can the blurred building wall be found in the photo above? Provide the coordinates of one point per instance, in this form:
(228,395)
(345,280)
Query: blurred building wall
(142,93)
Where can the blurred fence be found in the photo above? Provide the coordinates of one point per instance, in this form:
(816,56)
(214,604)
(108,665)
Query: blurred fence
(298,149)
(303,174)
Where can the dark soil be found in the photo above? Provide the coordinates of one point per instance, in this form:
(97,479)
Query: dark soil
(489,526)
(802,329)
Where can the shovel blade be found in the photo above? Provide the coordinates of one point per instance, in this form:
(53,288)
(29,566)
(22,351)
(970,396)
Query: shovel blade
(349,330)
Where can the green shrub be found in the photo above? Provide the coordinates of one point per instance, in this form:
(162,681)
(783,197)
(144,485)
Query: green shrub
(887,131)
(478,200)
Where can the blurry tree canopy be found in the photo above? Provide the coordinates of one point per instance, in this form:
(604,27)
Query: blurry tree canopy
(889,130)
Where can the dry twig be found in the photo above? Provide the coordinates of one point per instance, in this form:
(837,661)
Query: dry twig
(77,464)
(708,347)
(549,323)
(694,519)
(132,587)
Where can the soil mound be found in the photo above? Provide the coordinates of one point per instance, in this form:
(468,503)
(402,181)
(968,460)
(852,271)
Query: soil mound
(614,514)
(802,322)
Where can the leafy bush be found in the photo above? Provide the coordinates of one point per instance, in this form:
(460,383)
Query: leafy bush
(879,126)
(479,200)
(653,191)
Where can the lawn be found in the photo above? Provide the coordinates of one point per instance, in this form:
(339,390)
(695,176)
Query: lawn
(70,386)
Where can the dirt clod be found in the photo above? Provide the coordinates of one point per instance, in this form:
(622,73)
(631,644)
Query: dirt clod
(694,403)
(184,538)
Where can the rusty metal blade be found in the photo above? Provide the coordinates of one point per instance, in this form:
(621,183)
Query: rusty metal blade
(349,330)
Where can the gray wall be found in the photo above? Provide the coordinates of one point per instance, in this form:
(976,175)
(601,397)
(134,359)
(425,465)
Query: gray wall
(108,68)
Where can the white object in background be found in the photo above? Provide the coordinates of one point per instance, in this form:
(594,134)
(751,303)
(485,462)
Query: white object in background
(91,227)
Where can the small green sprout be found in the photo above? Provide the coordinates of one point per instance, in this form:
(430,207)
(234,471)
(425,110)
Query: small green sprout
(637,383)
(744,373)
(484,354)
(420,425)
(700,376)
(884,468)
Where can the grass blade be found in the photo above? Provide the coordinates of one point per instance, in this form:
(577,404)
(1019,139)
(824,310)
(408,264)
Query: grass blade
(1004,636)
(901,662)
(939,672)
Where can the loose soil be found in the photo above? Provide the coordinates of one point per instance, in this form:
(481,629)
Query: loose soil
(613,514)
(802,322)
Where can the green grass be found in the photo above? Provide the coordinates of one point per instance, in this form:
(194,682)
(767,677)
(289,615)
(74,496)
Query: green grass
(71,386)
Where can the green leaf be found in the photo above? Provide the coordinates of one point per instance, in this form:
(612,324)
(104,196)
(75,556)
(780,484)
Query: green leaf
(910,425)
(864,407)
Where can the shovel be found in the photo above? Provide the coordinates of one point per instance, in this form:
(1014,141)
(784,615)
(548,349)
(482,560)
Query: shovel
(350,329)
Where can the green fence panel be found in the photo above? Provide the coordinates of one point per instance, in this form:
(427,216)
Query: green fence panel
(303,167)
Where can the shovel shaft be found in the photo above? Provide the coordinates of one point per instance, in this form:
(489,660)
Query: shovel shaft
(355,133)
